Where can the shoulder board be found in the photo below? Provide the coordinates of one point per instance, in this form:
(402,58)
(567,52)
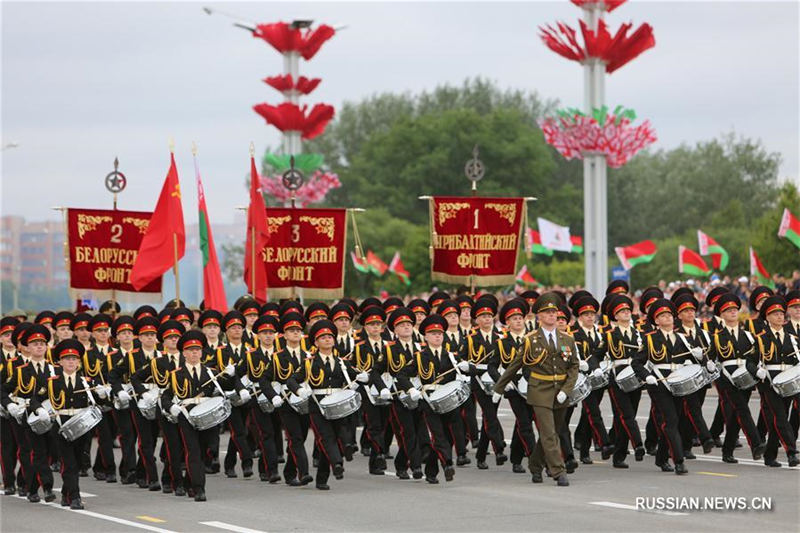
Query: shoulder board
(359,343)
(51,378)
(649,332)
(761,332)
(390,343)
(136,350)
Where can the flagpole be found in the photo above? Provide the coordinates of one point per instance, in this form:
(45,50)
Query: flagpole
(253,260)
(175,268)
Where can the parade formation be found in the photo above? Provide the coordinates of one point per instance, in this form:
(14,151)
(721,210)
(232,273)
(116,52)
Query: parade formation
(426,375)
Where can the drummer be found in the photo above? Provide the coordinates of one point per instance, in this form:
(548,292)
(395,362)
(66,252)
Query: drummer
(436,367)
(287,361)
(732,346)
(592,351)
(370,357)
(692,421)
(662,353)
(258,367)
(191,384)
(512,315)
(623,342)
(67,402)
(406,419)
(122,331)
(326,373)
(777,352)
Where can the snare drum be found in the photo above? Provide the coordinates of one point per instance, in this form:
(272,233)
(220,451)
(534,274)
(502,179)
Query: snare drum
(119,405)
(264,403)
(580,391)
(40,426)
(148,406)
(405,399)
(487,383)
(686,380)
(742,379)
(299,405)
(448,396)
(787,383)
(711,377)
(80,424)
(340,404)
(373,394)
(628,381)
(602,381)
(210,413)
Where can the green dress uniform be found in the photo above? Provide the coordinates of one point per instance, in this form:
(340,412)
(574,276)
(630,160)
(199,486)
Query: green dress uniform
(550,369)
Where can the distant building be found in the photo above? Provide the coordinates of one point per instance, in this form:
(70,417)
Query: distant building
(32,253)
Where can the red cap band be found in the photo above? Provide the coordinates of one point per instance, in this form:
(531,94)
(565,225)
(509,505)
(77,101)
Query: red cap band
(586,308)
(100,325)
(37,337)
(172,333)
(401,319)
(661,310)
(620,307)
(419,309)
(266,327)
(317,313)
(293,324)
(483,311)
(192,343)
(81,324)
(774,307)
(372,318)
(68,352)
(148,329)
(728,305)
(687,305)
(434,327)
(341,314)
(323,331)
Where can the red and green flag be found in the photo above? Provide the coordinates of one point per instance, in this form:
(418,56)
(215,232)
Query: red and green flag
(359,264)
(376,265)
(577,244)
(757,269)
(708,246)
(534,243)
(636,254)
(690,262)
(397,268)
(213,288)
(525,277)
(790,227)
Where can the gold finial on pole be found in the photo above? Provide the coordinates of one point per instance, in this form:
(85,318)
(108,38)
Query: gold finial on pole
(194,148)
(252,149)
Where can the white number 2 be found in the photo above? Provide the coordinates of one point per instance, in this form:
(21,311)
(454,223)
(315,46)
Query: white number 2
(116,233)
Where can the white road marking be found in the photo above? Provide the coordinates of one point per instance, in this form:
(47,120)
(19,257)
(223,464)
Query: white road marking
(627,507)
(231,527)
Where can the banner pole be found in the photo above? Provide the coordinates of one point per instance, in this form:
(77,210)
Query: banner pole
(253,260)
(175,268)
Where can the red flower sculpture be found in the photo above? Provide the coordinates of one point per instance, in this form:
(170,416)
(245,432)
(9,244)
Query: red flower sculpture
(608,5)
(572,133)
(291,117)
(285,83)
(615,51)
(284,38)
(313,191)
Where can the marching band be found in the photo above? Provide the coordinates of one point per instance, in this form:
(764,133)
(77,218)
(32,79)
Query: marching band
(413,375)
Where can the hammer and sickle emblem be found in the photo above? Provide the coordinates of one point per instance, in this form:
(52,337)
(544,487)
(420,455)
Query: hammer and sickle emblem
(177,191)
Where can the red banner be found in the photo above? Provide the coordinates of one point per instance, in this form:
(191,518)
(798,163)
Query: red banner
(103,245)
(305,249)
(476,240)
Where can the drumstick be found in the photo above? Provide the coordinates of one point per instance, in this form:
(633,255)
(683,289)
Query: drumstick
(443,374)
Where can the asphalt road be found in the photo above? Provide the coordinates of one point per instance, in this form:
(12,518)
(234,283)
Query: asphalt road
(599,498)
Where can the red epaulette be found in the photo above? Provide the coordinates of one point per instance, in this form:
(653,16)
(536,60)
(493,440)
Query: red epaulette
(648,332)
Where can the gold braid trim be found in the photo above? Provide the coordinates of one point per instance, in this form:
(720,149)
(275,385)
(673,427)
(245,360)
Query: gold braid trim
(317,380)
(91,371)
(255,372)
(390,358)
(21,388)
(160,380)
(651,349)
(474,357)
(220,365)
(422,373)
(527,358)
(131,363)
(764,355)
(505,358)
(57,402)
(363,366)
(181,393)
(283,374)
(724,353)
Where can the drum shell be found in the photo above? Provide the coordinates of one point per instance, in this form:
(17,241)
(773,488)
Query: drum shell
(449,396)
(38,425)
(627,380)
(742,379)
(340,404)
(686,380)
(210,413)
(787,383)
(80,424)
(580,391)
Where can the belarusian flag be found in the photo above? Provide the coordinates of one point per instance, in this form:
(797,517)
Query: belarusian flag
(577,244)
(635,254)
(758,270)
(213,289)
(359,264)
(377,266)
(523,276)
(396,266)
(534,243)
(690,262)
(707,245)
(790,227)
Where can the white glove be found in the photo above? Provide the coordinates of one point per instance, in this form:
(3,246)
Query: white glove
(362,377)
(41,412)
(509,387)
(583,366)
(150,394)
(561,397)
(651,380)
(463,366)
(353,385)
(496,397)
(414,394)
(101,391)
(761,373)
(277,401)
(230,369)
(244,395)
(697,352)
(385,394)
(122,395)
(689,362)
(175,411)
(14,409)
(304,392)
(710,366)
(598,373)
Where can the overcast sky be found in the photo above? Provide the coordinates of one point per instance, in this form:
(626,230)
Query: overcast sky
(83,83)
